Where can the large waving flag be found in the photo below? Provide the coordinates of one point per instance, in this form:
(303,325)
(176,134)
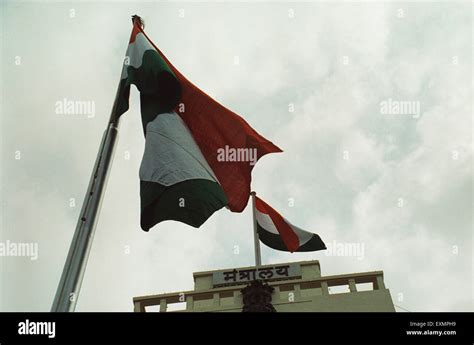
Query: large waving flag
(278,233)
(198,154)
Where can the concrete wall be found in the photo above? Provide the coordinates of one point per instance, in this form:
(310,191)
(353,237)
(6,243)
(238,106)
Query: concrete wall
(309,292)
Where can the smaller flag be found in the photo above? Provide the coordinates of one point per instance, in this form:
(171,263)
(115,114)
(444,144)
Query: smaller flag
(278,233)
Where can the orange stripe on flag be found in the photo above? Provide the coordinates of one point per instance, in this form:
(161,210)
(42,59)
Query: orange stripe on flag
(213,127)
(287,234)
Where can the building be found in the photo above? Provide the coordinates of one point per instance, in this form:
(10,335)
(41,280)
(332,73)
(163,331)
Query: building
(295,287)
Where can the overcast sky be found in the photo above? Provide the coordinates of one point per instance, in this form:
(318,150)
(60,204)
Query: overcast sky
(311,77)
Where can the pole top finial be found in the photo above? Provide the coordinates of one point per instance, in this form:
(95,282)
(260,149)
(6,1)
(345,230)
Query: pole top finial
(136,19)
(253,193)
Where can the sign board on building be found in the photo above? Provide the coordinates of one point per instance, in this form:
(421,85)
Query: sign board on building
(266,273)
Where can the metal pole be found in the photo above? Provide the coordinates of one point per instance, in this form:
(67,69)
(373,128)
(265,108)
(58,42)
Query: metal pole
(258,256)
(76,261)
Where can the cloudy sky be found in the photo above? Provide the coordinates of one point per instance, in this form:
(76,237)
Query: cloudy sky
(321,80)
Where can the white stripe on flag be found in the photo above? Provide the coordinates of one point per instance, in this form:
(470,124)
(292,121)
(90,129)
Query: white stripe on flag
(266,222)
(303,236)
(171,153)
(135,52)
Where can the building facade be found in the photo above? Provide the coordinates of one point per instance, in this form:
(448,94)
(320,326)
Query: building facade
(295,286)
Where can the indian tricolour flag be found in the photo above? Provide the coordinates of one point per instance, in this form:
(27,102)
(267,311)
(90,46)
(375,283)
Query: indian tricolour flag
(278,233)
(183,175)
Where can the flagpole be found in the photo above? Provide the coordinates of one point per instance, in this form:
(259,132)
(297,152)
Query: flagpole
(258,256)
(70,283)
(76,261)
(73,272)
